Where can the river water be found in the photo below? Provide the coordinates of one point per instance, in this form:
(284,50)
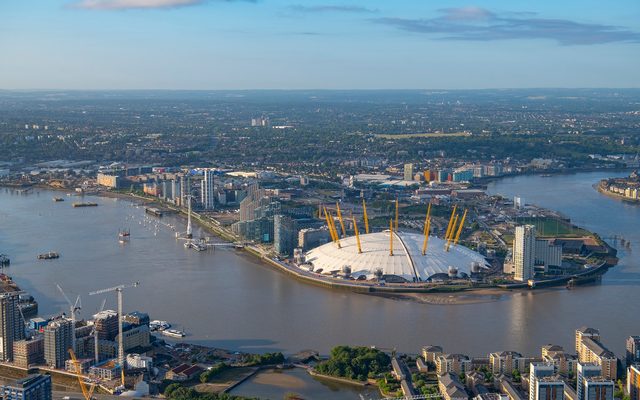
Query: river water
(229,300)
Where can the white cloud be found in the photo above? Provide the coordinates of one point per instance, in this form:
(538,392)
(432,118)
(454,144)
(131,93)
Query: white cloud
(132,4)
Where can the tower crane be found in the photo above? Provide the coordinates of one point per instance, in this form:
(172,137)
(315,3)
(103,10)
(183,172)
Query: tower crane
(96,342)
(87,393)
(118,289)
(73,308)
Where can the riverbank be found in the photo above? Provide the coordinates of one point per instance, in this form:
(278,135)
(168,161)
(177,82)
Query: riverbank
(422,293)
(617,196)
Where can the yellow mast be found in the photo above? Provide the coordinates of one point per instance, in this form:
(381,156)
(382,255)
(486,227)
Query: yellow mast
(355,228)
(366,218)
(464,216)
(391,237)
(396,214)
(426,219)
(335,231)
(328,218)
(446,235)
(344,232)
(451,234)
(427,228)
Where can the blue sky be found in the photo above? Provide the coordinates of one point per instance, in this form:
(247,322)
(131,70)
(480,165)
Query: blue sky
(324,44)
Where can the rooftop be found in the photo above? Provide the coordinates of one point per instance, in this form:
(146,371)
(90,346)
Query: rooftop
(406,262)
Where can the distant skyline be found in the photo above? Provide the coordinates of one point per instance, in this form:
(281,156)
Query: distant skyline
(318,44)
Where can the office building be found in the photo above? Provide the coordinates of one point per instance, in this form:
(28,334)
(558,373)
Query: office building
(11,324)
(207,192)
(633,382)
(57,342)
(33,387)
(544,384)
(285,234)
(633,350)
(524,245)
(408,172)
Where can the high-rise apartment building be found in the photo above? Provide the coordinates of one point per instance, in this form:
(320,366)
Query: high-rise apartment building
(57,342)
(33,387)
(544,384)
(11,324)
(633,382)
(591,350)
(633,350)
(585,372)
(524,247)
(28,352)
(408,172)
(106,324)
(207,193)
(598,388)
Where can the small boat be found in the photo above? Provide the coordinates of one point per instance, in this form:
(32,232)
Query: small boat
(48,256)
(157,325)
(195,246)
(57,199)
(76,205)
(124,235)
(174,333)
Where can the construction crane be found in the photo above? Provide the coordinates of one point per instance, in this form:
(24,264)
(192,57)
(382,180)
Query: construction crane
(77,367)
(96,342)
(118,289)
(73,307)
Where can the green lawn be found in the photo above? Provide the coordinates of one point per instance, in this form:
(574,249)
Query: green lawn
(548,226)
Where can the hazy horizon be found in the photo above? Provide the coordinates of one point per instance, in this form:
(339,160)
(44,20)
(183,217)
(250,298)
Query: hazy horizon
(318,44)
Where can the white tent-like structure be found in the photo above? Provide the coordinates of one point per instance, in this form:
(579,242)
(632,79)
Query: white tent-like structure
(407,261)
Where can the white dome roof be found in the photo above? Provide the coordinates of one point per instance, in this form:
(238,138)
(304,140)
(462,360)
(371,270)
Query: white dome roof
(407,260)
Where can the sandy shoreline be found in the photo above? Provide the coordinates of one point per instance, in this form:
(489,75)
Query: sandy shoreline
(487,295)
